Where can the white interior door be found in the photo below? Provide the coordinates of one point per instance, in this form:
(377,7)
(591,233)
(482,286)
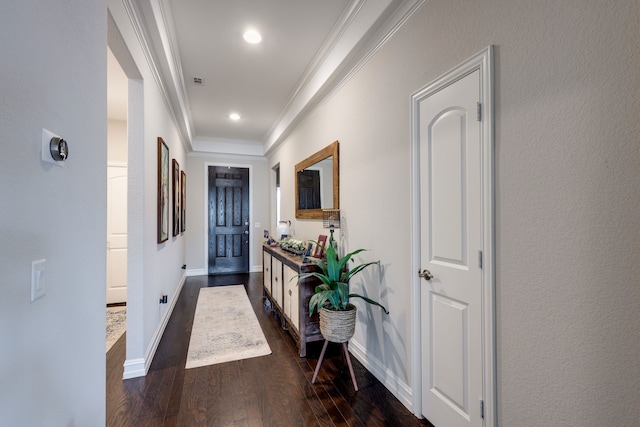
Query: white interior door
(451,244)
(116,234)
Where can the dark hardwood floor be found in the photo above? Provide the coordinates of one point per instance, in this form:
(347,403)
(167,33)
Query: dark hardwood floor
(273,390)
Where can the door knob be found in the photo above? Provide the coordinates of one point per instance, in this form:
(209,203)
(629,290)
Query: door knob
(246,232)
(425,274)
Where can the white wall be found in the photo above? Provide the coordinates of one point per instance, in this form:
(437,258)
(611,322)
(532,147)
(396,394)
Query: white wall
(197,228)
(117,141)
(567,196)
(153,269)
(53,75)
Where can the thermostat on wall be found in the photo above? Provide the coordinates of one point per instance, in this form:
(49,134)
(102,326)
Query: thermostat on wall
(54,148)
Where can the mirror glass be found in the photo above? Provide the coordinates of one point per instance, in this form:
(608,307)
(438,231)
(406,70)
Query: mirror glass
(317,183)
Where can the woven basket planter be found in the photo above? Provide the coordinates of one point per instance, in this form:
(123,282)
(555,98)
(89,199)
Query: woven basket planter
(338,326)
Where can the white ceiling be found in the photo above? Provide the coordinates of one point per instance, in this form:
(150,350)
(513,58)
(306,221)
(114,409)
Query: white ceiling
(308,47)
(254,80)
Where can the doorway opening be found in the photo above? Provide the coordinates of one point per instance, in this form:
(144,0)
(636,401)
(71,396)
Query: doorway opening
(134,213)
(117,148)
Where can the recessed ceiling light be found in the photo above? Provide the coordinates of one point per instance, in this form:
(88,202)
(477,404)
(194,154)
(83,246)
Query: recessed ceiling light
(252,36)
(234,116)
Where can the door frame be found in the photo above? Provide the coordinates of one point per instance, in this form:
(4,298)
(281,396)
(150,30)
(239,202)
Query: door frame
(482,61)
(137,359)
(206,209)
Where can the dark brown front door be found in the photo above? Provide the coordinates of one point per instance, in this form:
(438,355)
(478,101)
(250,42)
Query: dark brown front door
(228,220)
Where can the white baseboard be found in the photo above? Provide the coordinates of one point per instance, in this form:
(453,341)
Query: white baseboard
(196,272)
(139,367)
(203,272)
(134,368)
(395,385)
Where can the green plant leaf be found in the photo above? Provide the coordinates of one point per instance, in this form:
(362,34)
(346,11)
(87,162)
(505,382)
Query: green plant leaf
(355,270)
(318,299)
(333,292)
(343,294)
(370,301)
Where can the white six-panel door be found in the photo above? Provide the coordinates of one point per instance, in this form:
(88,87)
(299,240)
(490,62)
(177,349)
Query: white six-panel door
(451,245)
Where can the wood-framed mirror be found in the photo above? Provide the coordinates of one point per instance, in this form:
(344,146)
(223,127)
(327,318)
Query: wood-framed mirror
(317,183)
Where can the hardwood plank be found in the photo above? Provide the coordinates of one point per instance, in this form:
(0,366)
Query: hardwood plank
(273,390)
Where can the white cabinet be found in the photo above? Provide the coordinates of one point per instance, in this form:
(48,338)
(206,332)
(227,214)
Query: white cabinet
(266,272)
(290,299)
(276,282)
(291,296)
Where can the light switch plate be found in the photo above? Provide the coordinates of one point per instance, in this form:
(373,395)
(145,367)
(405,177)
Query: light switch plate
(38,283)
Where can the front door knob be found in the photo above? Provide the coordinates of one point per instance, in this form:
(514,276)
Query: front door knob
(425,274)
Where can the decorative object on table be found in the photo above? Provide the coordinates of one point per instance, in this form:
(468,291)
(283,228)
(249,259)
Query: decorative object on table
(331,219)
(320,244)
(294,246)
(163,191)
(283,230)
(308,251)
(331,299)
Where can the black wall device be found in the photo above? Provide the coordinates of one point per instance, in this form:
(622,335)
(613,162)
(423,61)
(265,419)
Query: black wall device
(59,149)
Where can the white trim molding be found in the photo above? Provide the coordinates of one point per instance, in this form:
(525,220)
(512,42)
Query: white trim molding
(345,51)
(139,367)
(395,385)
(164,67)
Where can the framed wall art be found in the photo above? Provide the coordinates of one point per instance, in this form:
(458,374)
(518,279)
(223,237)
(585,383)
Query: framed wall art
(183,201)
(163,191)
(319,250)
(176,197)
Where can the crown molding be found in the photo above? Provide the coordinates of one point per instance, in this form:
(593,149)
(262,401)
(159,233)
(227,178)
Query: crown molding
(364,28)
(148,19)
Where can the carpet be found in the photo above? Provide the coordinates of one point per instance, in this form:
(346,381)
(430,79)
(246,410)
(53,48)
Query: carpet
(116,324)
(225,328)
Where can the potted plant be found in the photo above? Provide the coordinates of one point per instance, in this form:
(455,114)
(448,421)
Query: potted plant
(331,297)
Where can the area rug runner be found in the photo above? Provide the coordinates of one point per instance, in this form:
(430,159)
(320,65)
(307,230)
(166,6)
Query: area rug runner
(225,328)
(116,324)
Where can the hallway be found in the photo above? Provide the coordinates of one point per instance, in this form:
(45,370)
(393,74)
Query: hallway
(274,390)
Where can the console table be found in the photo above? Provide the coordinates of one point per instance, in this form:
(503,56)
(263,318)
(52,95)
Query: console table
(287,297)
